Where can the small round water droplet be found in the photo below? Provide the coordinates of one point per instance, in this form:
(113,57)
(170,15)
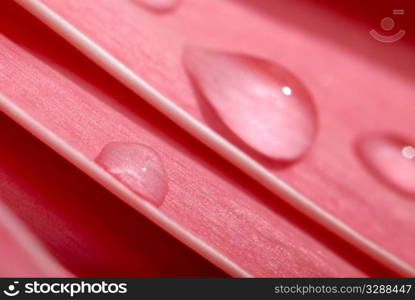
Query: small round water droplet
(261,102)
(158,5)
(138,167)
(390,159)
(408,152)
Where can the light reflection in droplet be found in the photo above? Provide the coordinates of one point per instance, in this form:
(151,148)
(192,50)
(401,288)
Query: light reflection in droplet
(286,91)
(408,152)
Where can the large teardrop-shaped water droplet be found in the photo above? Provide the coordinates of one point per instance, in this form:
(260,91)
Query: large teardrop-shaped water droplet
(391,159)
(261,102)
(158,5)
(138,167)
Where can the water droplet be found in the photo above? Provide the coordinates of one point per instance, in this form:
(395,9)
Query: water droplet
(408,152)
(259,101)
(157,5)
(138,167)
(390,159)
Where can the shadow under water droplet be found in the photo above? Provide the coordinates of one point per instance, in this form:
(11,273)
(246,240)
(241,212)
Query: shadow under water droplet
(158,6)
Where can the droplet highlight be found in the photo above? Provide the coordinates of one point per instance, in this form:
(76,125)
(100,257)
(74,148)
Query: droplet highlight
(259,101)
(391,159)
(408,152)
(138,167)
(158,5)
